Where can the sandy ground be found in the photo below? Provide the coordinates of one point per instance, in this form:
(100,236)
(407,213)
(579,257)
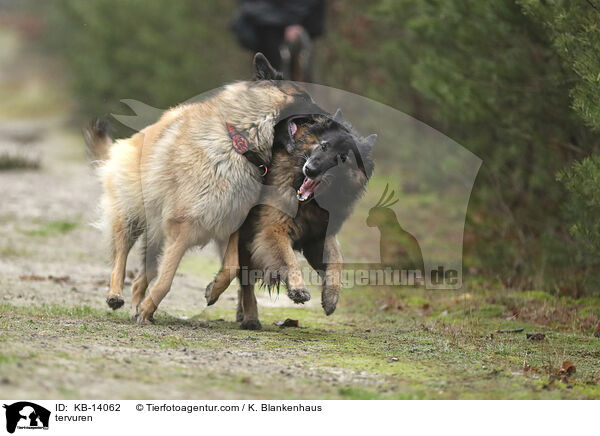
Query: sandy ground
(59,340)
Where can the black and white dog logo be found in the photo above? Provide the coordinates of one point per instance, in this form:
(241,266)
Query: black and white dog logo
(26,415)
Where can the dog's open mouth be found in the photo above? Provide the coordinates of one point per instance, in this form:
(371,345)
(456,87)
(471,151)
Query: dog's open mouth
(308,188)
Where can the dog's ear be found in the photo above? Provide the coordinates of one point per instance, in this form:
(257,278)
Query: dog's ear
(338,117)
(290,145)
(263,70)
(369,141)
(364,158)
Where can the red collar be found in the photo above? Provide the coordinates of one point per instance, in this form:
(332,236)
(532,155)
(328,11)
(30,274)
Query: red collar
(239,142)
(242,147)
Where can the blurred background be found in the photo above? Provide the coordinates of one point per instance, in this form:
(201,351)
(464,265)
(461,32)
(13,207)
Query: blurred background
(515,82)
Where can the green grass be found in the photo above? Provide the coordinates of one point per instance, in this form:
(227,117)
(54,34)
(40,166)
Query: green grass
(453,350)
(51,228)
(198,265)
(11,251)
(7,358)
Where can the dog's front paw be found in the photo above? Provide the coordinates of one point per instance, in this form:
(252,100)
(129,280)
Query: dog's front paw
(115,301)
(145,312)
(142,319)
(251,324)
(210,299)
(299,295)
(329,300)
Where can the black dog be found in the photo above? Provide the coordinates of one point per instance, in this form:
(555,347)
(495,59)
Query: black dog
(327,172)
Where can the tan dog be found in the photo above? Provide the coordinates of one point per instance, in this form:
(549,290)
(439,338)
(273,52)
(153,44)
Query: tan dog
(182,181)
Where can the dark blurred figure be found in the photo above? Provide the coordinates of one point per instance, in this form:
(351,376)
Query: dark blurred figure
(282,30)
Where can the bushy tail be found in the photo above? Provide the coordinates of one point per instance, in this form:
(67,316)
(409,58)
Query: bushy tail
(97,139)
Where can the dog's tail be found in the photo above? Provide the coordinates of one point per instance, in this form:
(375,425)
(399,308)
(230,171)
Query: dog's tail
(97,139)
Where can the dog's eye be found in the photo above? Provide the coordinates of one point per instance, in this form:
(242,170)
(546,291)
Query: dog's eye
(324,145)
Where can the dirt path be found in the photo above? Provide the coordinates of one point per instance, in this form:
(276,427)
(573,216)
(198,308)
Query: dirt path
(58,339)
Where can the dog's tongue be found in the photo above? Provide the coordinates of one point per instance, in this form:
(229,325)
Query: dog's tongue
(293,128)
(308,187)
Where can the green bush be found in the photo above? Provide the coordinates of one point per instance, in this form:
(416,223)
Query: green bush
(157,52)
(582,181)
(574,29)
(516,82)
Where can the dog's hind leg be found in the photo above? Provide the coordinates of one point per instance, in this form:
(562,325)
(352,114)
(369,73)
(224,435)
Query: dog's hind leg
(239,311)
(147,273)
(227,273)
(249,308)
(123,238)
(180,235)
(326,258)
